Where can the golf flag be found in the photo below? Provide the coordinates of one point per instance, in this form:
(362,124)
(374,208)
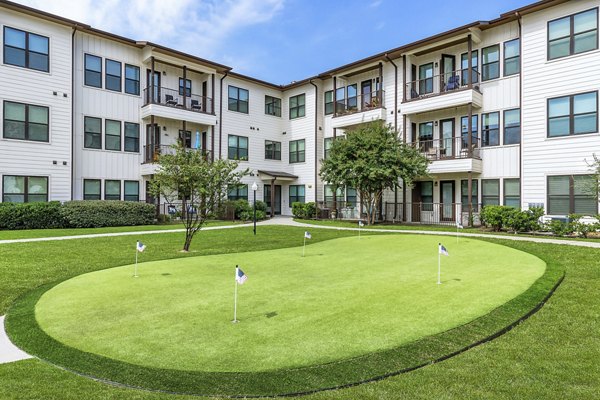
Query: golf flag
(240,276)
(140,246)
(443,250)
(307,235)
(459,225)
(361,224)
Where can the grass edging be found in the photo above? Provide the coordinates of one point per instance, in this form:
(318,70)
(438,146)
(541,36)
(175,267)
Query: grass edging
(24,331)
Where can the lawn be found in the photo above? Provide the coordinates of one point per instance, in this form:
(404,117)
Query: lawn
(552,355)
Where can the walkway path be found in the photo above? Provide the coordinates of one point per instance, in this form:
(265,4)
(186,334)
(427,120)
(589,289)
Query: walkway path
(9,353)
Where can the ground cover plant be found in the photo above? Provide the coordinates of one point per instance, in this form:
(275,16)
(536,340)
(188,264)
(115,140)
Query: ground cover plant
(552,355)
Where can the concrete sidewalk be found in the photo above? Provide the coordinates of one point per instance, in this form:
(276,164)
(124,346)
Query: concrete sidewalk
(8,351)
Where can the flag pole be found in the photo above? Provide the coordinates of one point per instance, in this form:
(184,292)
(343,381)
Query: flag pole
(304,247)
(235,296)
(457,232)
(439,282)
(135,275)
(359,231)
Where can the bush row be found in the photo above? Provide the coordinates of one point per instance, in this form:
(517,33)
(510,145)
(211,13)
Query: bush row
(304,210)
(242,210)
(74,214)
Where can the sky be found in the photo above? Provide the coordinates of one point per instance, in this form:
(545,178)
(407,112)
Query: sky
(278,41)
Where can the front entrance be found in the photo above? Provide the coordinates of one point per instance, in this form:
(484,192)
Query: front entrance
(267,199)
(447,200)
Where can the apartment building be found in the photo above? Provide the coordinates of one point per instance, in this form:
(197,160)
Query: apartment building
(506,111)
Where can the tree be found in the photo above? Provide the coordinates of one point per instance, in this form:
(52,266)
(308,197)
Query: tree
(190,176)
(591,185)
(372,159)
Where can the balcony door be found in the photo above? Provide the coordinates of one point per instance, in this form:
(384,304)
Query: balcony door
(448,68)
(152,148)
(426,79)
(366,88)
(447,138)
(447,200)
(156,93)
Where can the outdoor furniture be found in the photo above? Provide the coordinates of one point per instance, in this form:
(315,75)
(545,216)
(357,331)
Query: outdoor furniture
(196,106)
(413,94)
(170,101)
(453,82)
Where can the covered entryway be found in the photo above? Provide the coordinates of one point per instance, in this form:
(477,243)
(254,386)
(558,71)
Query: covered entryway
(272,190)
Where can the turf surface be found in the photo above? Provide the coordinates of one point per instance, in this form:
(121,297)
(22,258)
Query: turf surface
(346,298)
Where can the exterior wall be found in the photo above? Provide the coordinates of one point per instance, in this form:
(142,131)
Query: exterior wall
(50,89)
(542,80)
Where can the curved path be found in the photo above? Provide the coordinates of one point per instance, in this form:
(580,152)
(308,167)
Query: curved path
(10,353)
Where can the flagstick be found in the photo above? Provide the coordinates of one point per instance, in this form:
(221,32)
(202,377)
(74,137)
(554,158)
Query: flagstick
(457,232)
(304,247)
(439,266)
(135,275)
(359,232)
(235,297)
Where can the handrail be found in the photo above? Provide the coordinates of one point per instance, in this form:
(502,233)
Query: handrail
(449,148)
(359,103)
(175,98)
(436,85)
(152,152)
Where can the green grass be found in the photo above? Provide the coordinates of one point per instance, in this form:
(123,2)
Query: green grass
(552,355)
(42,233)
(346,298)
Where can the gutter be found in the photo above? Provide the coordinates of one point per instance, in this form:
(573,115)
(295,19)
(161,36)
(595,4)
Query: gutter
(395,127)
(73,113)
(316,133)
(518,15)
(221,114)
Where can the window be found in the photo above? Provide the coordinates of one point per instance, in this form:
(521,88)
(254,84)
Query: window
(490,129)
(426,79)
(238,148)
(237,192)
(272,106)
(464,130)
(297,194)
(188,87)
(93,71)
(297,106)
(567,194)
(112,132)
(327,146)
(24,189)
(340,100)
(25,49)
(272,150)
(351,197)
(512,193)
(464,194)
(297,151)
(238,99)
(132,137)
(329,102)
(464,65)
(339,195)
(490,192)
(427,196)
(112,80)
(92,133)
(25,122)
(91,189)
(132,79)
(512,126)
(112,190)
(573,34)
(512,57)
(573,115)
(490,63)
(132,191)
(352,101)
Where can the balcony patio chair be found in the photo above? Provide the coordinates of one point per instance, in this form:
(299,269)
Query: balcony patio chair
(170,101)
(414,94)
(453,83)
(196,106)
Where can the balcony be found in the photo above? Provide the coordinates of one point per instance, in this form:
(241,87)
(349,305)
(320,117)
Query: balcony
(359,109)
(170,103)
(452,155)
(437,92)
(152,153)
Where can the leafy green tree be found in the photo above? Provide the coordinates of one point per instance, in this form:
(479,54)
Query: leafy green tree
(372,159)
(190,176)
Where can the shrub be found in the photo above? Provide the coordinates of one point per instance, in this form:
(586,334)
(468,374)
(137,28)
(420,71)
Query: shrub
(31,215)
(304,210)
(524,220)
(98,213)
(261,206)
(583,225)
(496,217)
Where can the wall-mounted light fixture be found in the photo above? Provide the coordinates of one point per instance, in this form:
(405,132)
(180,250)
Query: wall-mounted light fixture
(283,133)
(164,128)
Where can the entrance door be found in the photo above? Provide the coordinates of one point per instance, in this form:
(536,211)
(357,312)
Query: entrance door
(447,138)
(267,198)
(152,148)
(155,96)
(447,197)
(448,67)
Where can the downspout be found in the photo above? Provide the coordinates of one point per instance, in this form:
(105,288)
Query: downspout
(220,116)
(404,128)
(316,134)
(73,113)
(518,15)
(395,127)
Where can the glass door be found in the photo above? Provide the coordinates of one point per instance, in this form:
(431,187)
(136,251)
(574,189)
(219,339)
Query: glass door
(426,79)
(267,199)
(447,138)
(447,197)
(448,79)
(365,91)
(155,94)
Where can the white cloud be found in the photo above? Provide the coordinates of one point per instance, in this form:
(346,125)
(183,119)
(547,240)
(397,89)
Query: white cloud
(375,3)
(196,26)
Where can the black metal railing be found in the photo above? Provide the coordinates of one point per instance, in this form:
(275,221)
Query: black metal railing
(433,213)
(436,85)
(449,148)
(359,103)
(152,152)
(175,98)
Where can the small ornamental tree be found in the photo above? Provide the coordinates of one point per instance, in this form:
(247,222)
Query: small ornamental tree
(372,159)
(190,176)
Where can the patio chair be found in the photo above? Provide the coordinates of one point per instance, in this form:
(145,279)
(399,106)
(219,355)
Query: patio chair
(413,94)
(453,83)
(196,106)
(170,101)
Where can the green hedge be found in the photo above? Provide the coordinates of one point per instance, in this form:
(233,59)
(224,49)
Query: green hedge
(74,214)
(304,210)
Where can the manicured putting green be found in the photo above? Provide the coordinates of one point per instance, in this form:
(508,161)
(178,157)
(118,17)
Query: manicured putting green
(346,298)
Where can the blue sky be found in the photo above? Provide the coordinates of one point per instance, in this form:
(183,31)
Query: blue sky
(278,40)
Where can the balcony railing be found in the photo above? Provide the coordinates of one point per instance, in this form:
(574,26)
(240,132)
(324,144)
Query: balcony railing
(450,148)
(174,98)
(359,103)
(433,213)
(437,85)
(152,152)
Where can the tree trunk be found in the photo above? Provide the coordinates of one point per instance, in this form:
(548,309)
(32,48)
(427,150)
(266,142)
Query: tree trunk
(189,235)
